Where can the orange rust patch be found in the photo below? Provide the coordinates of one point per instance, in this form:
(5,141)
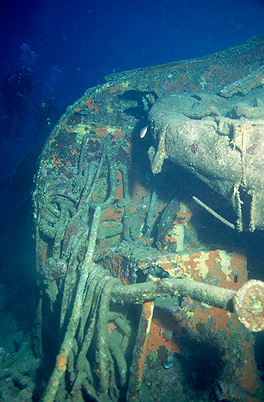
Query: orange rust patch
(247,371)
(113,90)
(159,207)
(110,214)
(156,339)
(119,88)
(148,310)
(191,264)
(95,197)
(237,268)
(111,326)
(110,224)
(167,265)
(219,316)
(118,268)
(118,134)
(68,129)
(119,192)
(101,131)
(43,250)
(56,162)
(105,245)
(183,217)
(142,240)
(213,256)
(90,105)
(170,239)
(128,149)
(62,362)
(132,209)
(118,175)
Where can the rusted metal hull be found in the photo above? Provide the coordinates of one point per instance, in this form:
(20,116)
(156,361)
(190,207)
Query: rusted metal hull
(193,350)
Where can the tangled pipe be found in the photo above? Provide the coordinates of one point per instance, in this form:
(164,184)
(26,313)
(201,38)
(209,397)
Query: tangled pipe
(250,295)
(66,346)
(96,289)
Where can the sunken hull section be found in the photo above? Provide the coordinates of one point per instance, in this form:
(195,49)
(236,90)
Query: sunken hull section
(141,291)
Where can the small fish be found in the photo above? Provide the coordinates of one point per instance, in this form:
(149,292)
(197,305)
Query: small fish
(143,132)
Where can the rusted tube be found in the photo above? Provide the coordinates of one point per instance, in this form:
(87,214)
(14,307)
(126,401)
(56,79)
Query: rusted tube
(149,291)
(247,302)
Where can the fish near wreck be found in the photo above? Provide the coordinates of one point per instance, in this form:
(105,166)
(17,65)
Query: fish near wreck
(221,141)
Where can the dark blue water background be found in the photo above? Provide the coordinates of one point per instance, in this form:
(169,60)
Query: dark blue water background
(90,39)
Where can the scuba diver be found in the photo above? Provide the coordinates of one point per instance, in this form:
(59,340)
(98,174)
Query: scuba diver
(17,97)
(46,116)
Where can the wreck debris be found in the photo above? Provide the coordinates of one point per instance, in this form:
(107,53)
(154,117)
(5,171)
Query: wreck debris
(146,294)
(225,150)
(89,202)
(212,212)
(245,84)
(249,305)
